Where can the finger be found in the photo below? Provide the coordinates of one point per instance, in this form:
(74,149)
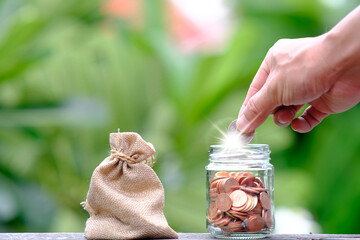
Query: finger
(258,108)
(285,114)
(308,120)
(258,81)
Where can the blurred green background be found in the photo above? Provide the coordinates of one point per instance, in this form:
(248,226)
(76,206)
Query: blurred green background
(71,72)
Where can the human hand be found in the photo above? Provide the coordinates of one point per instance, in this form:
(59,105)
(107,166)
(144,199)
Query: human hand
(321,71)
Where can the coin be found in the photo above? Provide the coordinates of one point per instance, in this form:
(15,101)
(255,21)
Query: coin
(254,203)
(223,221)
(233,174)
(268,218)
(257,209)
(258,180)
(260,189)
(214,184)
(212,193)
(222,174)
(238,198)
(265,200)
(250,204)
(223,202)
(245,138)
(249,190)
(238,214)
(230,184)
(219,215)
(235,226)
(249,182)
(213,210)
(241,176)
(255,223)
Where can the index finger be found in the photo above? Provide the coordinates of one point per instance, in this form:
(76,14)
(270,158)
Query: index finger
(258,82)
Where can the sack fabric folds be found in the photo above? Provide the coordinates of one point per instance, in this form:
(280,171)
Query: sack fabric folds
(126,198)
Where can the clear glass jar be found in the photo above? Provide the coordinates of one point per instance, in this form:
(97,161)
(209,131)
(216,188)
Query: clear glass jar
(240,192)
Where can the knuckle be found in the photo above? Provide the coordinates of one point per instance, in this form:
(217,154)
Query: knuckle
(253,108)
(281,41)
(275,93)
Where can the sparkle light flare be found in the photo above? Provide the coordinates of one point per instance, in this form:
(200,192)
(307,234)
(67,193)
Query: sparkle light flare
(230,141)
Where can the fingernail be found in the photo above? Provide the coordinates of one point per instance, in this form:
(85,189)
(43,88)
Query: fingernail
(280,121)
(242,123)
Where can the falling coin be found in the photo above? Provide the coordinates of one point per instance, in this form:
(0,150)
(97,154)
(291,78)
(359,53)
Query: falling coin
(246,138)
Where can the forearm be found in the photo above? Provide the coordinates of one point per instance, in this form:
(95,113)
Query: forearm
(342,45)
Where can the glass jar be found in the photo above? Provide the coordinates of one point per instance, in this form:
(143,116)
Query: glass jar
(240,192)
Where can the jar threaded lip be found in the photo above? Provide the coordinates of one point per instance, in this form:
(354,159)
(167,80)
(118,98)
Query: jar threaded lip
(245,152)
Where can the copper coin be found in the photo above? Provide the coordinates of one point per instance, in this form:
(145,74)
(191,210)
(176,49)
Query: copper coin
(229,183)
(258,180)
(233,174)
(233,227)
(249,190)
(242,175)
(222,174)
(216,179)
(255,202)
(236,213)
(257,209)
(263,213)
(248,181)
(223,221)
(238,198)
(223,202)
(265,200)
(240,179)
(243,218)
(268,218)
(230,215)
(250,203)
(243,208)
(260,189)
(255,223)
(220,186)
(219,215)
(212,193)
(238,175)
(213,210)
(239,209)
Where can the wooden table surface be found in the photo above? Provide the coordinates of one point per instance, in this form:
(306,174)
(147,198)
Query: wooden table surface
(195,236)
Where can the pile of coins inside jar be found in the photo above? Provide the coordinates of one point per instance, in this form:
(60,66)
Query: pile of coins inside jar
(239,202)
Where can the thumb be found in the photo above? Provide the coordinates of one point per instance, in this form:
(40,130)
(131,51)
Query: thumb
(256,110)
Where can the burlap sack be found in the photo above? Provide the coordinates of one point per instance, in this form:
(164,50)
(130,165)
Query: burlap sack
(126,198)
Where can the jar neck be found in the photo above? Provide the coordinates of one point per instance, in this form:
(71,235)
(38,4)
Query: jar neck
(246,153)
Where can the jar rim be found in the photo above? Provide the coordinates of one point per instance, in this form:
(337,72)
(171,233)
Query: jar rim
(245,152)
(256,145)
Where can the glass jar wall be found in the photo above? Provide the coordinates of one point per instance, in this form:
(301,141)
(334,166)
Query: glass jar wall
(240,192)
